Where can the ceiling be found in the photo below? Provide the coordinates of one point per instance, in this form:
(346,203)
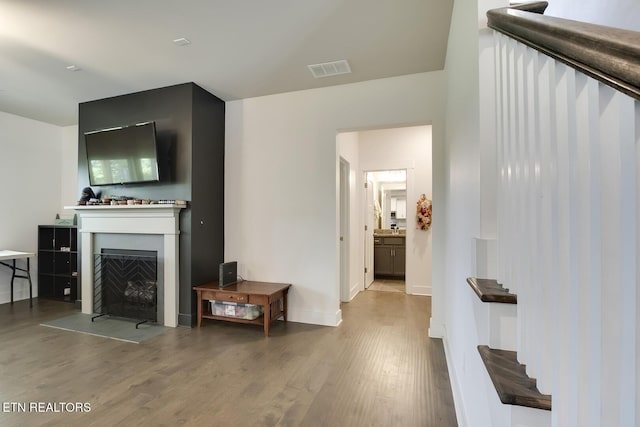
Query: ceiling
(239,48)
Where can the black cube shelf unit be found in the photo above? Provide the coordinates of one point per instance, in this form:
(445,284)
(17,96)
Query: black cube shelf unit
(58,262)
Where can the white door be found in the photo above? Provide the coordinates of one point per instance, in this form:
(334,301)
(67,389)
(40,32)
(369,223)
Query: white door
(369,225)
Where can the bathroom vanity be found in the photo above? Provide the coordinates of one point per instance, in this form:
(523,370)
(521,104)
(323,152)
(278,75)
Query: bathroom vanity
(389,255)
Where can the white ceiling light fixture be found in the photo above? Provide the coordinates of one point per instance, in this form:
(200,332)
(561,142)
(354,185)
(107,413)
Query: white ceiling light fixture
(73,68)
(182,41)
(328,69)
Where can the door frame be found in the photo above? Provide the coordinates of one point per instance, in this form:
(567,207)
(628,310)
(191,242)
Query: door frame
(369,226)
(345,200)
(408,177)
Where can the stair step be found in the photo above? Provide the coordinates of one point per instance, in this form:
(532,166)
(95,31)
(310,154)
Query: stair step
(510,379)
(489,290)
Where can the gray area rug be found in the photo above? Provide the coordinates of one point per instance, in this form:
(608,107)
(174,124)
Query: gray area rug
(107,327)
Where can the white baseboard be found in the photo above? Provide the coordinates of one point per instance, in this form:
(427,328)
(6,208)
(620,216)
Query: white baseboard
(355,289)
(20,292)
(420,290)
(435,330)
(458,400)
(315,317)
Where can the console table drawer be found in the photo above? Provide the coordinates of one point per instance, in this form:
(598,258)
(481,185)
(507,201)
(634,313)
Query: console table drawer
(232,296)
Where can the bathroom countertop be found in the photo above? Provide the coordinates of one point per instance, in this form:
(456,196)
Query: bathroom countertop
(385,233)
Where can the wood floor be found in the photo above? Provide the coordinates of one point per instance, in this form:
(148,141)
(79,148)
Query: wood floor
(378,368)
(387,285)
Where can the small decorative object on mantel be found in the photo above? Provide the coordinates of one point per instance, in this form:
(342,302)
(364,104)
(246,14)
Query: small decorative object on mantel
(423,213)
(88,197)
(66,221)
(87,194)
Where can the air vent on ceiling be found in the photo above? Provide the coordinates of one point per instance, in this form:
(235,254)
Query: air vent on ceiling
(181,41)
(327,69)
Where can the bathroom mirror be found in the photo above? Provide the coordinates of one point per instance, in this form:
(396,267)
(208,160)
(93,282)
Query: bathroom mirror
(390,193)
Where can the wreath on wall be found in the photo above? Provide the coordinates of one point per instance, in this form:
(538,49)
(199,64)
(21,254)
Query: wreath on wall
(423,213)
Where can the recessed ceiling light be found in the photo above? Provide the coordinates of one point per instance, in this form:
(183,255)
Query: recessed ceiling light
(182,41)
(327,69)
(73,68)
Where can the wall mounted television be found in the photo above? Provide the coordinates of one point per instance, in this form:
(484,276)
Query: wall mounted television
(122,155)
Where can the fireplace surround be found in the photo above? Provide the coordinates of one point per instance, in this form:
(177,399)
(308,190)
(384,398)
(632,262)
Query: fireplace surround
(158,219)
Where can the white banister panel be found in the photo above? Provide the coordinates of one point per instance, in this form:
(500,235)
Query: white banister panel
(529,155)
(588,251)
(568,161)
(619,247)
(520,235)
(500,132)
(610,154)
(637,323)
(630,243)
(564,340)
(502,244)
(545,252)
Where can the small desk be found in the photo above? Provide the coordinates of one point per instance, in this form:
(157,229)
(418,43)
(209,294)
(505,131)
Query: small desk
(6,255)
(268,295)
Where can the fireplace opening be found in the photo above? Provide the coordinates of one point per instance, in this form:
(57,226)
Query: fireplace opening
(125,285)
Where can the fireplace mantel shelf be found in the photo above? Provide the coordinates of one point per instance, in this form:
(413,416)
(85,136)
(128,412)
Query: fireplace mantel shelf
(123,207)
(156,219)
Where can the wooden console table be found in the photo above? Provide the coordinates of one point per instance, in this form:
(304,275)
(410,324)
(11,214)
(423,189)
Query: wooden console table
(268,295)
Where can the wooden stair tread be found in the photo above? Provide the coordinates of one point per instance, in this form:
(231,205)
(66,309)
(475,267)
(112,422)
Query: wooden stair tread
(510,379)
(489,290)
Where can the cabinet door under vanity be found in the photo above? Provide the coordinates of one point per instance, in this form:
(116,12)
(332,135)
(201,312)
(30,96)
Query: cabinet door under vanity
(389,256)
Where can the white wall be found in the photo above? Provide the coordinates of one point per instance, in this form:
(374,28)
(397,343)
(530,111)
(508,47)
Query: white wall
(69,169)
(405,148)
(281,180)
(613,13)
(32,178)
(463,205)
(470,200)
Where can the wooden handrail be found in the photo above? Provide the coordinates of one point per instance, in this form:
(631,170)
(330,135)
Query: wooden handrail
(610,55)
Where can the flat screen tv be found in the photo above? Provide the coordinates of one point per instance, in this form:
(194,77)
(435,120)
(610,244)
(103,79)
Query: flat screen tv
(122,155)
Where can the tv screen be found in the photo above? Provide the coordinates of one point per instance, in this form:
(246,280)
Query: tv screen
(122,155)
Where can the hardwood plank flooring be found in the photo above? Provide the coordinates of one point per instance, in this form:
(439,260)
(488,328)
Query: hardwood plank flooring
(387,285)
(378,368)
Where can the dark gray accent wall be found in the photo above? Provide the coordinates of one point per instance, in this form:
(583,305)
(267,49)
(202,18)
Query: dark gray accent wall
(190,132)
(207,209)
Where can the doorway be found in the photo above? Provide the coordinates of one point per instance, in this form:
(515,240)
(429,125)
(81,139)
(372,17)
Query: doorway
(385,230)
(407,149)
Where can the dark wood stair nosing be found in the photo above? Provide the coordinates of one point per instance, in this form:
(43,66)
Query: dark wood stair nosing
(509,377)
(489,290)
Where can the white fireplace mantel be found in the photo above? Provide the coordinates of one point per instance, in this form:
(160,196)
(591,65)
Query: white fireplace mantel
(158,219)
